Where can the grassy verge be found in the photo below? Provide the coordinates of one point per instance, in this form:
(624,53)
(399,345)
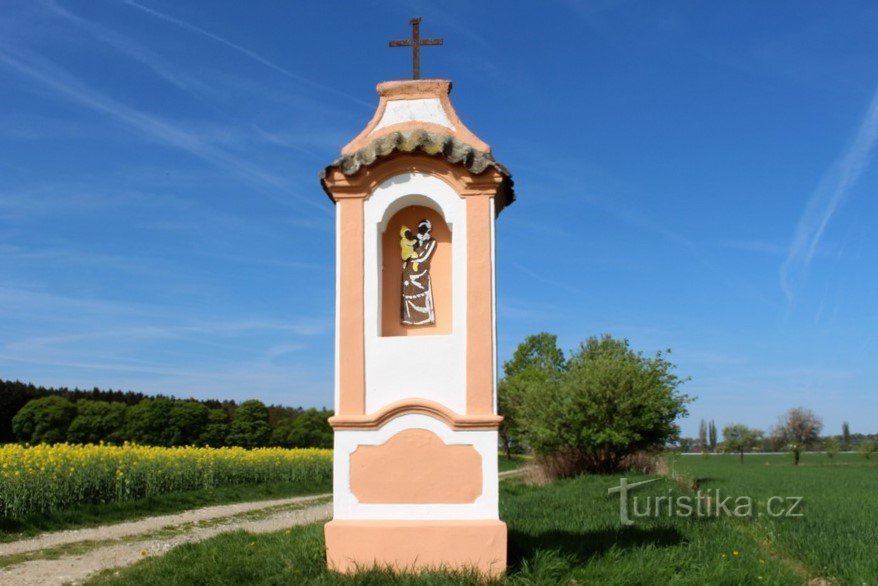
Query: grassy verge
(566,532)
(102,514)
(835,536)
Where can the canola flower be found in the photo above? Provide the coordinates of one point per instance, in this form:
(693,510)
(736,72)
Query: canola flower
(47,478)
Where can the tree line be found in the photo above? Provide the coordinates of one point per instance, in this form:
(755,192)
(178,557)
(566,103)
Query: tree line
(603,406)
(796,431)
(45,415)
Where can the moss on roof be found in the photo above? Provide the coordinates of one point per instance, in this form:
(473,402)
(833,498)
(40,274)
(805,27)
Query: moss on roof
(434,144)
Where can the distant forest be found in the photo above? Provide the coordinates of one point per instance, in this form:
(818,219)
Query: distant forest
(35,414)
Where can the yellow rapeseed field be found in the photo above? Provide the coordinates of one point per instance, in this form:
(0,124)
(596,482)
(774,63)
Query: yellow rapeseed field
(44,478)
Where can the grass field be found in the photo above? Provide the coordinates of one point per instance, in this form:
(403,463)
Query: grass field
(837,535)
(569,532)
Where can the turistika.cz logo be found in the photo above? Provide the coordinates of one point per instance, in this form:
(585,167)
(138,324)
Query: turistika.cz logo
(703,504)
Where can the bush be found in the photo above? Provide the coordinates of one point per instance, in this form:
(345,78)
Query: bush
(866,449)
(609,403)
(831,447)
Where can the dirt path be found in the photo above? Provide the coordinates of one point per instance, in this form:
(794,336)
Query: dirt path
(80,554)
(66,557)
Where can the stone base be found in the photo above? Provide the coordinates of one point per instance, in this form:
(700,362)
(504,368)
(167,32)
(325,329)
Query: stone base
(413,546)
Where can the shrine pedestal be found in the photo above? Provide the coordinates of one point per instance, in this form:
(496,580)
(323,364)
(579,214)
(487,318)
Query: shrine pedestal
(416,546)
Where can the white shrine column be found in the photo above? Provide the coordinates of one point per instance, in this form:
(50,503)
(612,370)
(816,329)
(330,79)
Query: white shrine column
(415,462)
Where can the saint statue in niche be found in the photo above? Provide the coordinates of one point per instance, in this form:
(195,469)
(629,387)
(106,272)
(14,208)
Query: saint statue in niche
(417,290)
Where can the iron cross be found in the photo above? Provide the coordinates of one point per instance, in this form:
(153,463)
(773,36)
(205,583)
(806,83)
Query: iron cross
(415,43)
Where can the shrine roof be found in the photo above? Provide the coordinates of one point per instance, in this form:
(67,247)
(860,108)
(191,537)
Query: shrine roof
(417,117)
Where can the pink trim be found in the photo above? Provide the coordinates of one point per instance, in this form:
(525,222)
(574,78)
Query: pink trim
(419,406)
(415,90)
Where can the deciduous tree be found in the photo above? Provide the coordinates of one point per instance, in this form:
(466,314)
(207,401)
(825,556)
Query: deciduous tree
(44,421)
(216,430)
(610,402)
(250,428)
(308,429)
(536,363)
(740,438)
(97,421)
(148,423)
(799,429)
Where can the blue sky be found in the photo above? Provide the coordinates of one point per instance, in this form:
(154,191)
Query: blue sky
(693,176)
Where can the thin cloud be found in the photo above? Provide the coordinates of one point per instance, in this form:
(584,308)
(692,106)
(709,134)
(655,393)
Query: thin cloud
(47,73)
(831,192)
(244,51)
(161,67)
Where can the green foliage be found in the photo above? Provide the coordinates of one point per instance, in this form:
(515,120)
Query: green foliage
(250,428)
(799,429)
(187,421)
(866,449)
(15,394)
(308,429)
(711,434)
(536,363)
(540,352)
(115,417)
(832,447)
(97,421)
(44,420)
(148,422)
(216,430)
(740,438)
(702,436)
(609,402)
(845,436)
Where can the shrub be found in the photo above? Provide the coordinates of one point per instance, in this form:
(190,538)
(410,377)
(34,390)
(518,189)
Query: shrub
(610,402)
(798,429)
(831,447)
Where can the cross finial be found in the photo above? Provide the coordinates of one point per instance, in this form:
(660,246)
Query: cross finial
(415,43)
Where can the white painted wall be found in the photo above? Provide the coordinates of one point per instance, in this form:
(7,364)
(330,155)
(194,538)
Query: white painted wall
(423,110)
(441,377)
(346,506)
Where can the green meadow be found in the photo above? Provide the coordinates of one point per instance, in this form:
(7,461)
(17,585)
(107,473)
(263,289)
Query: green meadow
(569,532)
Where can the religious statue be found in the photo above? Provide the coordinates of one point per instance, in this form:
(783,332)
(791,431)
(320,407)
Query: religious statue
(417,289)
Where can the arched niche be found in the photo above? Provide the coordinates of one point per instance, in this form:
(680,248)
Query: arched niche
(410,212)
